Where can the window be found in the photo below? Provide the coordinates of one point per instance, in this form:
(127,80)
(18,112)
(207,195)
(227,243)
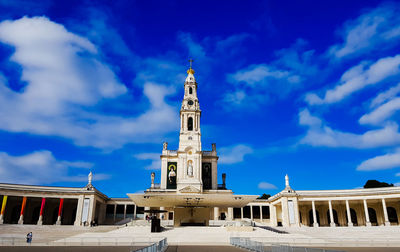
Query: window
(190,90)
(190,124)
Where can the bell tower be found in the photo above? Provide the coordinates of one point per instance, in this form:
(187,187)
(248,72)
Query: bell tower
(190,135)
(189,153)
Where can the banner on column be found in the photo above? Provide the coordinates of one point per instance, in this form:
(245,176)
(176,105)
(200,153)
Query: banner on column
(85,212)
(291,212)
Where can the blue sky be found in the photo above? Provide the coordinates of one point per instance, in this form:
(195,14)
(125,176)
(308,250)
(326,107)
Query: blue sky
(297,87)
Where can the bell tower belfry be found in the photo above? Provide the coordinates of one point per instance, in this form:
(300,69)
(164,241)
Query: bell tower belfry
(189,169)
(190,135)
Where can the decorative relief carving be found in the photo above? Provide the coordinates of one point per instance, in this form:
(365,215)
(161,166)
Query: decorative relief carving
(189,189)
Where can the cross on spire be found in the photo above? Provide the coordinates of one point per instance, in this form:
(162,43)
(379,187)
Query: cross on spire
(191,61)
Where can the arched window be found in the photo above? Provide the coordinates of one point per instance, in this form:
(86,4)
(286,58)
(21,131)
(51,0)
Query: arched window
(190,90)
(190,124)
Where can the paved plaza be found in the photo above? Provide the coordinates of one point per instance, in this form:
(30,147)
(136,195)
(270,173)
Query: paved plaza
(70,238)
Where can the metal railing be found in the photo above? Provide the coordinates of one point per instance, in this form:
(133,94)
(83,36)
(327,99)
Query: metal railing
(84,241)
(258,246)
(159,246)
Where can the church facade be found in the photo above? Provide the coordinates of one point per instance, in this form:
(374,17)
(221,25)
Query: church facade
(189,194)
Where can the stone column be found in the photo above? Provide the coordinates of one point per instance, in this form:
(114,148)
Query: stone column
(261,216)
(251,212)
(60,207)
(21,216)
(40,221)
(216,213)
(124,211)
(115,211)
(349,223)
(385,214)
(315,224)
(367,221)
(3,209)
(92,209)
(273,217)
(331,214)
(79,210)
(241,213)
(134,212)
(230,213)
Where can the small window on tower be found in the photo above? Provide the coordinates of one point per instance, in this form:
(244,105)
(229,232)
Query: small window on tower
(190,124)
(190,90)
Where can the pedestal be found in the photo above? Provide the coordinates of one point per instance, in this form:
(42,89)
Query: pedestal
(40,221)
(368,224)
(58,222)
(1,219)
(333,224)
(21,220)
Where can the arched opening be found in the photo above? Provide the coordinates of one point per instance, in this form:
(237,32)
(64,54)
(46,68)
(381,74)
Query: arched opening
(372,216)
(392,215)
(311,217)
(190,124)
(335,217)
(190,90)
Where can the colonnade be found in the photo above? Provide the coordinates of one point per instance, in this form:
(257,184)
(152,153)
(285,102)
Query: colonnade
(351,214)
(32,210)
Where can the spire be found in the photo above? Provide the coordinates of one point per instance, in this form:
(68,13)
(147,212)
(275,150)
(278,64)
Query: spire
(190,70)
(288,189)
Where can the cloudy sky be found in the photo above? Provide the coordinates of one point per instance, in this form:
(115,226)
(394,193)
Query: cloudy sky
(286,87)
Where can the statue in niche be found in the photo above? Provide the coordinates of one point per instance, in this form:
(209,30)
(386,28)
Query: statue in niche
(172,174)
(190,169)
(165,145)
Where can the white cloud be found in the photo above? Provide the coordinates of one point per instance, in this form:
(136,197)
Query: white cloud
(256,75)
(66,79)
(382,113)
(318,134)
(384,162)
(41,167)
(376,29)
(266,185)
(234,154)
(357,78)
(153,157)
(385,96)
(257,83)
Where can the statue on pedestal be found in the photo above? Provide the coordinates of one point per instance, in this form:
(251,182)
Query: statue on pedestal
(165,145)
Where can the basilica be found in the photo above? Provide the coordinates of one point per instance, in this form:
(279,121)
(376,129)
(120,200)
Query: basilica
(189,194)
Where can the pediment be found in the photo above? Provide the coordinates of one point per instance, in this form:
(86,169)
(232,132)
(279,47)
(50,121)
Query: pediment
(189,189)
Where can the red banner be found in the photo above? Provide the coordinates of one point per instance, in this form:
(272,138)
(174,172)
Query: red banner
(42,206)
(60,207)
(23,205)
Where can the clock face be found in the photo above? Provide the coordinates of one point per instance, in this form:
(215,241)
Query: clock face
(190,102)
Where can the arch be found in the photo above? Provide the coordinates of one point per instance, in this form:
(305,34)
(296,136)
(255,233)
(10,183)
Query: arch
(335,217)
(372,216)
(190,123)
(392,215)
(190,90)
(311,217)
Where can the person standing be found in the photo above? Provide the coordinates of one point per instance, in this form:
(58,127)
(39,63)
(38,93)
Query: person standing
(29,237)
